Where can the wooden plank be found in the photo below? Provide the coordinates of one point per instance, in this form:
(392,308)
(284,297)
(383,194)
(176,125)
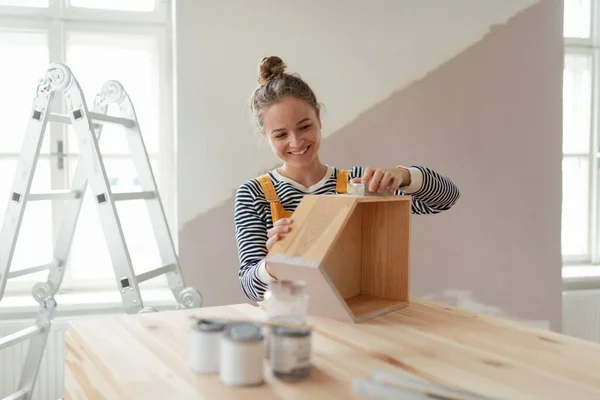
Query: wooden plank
(343,263)
(368,199)
(365,306)
(145,356)
(317,224)
(386,248)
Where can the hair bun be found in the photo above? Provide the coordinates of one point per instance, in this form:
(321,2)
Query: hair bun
(270,67)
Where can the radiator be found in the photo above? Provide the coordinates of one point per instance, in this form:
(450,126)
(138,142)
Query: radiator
(50,381)
(581,314)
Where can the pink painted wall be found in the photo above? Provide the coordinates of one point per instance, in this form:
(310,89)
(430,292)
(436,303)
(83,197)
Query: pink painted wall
(491,119)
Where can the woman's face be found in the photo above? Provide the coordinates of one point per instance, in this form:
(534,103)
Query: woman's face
(293,129)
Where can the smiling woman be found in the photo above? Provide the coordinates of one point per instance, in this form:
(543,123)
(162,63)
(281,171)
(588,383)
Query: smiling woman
(287,113)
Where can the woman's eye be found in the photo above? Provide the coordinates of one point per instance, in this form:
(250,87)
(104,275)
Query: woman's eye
(305,127)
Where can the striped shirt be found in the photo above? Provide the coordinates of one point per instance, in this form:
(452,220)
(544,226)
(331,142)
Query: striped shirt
(431,193)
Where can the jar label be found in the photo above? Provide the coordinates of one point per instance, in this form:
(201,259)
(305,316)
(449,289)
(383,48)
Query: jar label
(290,353)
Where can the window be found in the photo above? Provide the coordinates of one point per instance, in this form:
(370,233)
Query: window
(99,41)
(580,217)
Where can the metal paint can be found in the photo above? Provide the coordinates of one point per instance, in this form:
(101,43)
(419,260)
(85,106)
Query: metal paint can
(242,355)
(205,341)
(290,353)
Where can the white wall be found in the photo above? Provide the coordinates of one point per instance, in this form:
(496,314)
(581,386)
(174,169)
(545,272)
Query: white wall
(353,54)
(469,88)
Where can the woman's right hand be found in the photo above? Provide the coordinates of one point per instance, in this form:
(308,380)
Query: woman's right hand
(278,231)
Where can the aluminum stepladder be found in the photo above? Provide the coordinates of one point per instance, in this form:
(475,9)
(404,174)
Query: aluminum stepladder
(90,170)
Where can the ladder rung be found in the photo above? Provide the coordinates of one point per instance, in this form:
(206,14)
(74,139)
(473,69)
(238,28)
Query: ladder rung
(55,195)
(32,270)
(21,394)
(98,118)
(154,273)
(133,196)
(19,336)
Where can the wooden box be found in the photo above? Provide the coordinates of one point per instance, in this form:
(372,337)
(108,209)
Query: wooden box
(352,252)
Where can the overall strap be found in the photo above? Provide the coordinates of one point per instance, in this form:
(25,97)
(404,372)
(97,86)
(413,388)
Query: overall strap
(277,210)
(341,184)
(268,188)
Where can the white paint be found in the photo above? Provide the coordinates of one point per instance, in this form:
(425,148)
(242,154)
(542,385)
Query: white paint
(204,346)
(241,362)
(353,54)
(298,261)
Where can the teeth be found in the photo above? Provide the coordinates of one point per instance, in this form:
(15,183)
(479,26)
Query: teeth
(297,153)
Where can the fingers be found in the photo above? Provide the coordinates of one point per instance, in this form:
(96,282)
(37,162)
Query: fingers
(272,240)
(395,184)
(283,221)
(282,225)
(278,231)
(376,180)
(380,180)
(367,175)
(386,179)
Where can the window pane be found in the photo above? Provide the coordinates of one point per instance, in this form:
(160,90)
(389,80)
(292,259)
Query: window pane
(35,243)
(577,16)
(121,5)
(92,60)
(28,55)
(577,103)
(575,206)
(89,256)
(25,3)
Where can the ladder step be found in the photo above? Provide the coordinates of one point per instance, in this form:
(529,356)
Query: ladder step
(154,273)
(32,270)
(55,195)
(19,336)
(98,118)
(21,394)
(134,196)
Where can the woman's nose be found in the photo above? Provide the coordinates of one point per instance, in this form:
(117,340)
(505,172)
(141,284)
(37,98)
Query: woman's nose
(295,140)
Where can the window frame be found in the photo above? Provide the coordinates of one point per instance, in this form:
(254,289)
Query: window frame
(62,10)
(589,46)
(59,19)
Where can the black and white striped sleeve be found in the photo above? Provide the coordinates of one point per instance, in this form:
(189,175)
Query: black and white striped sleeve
(431,191)
(251,238)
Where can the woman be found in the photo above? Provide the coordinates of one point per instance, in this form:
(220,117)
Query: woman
(288,115)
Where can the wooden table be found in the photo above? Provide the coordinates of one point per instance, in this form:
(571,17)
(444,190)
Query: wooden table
(145,356)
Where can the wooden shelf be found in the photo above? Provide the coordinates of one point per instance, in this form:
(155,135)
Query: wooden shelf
(352,251)
(364,306)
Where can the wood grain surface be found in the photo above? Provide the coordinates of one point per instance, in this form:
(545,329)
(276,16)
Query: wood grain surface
(357,247)
(145,356)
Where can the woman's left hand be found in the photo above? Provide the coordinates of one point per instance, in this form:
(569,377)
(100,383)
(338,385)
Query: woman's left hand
(384,179)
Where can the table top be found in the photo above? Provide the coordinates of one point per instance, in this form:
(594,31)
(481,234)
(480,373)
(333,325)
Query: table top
(146,356)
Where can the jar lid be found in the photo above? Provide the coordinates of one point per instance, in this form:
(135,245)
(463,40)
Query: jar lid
(291,332)
(209,325)
(244,332)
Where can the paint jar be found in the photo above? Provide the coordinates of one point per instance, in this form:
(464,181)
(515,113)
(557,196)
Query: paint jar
(287,301)
(205,342)
(242,355)
(290,353)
